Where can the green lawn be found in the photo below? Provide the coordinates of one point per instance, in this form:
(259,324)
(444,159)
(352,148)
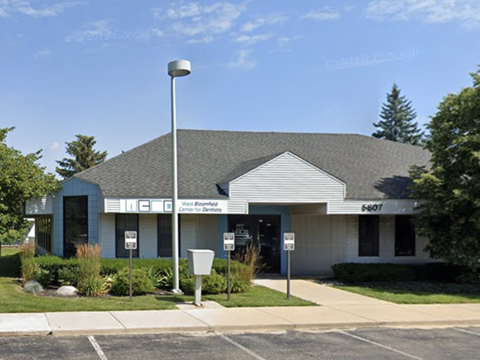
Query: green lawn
(257,297)
(14,300)
(418,292)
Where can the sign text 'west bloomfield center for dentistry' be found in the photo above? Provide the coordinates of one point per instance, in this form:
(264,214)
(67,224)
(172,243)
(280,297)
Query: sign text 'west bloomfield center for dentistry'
(165,206)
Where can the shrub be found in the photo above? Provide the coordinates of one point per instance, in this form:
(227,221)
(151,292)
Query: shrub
(141,284)
(159,271)
(27,257)
(214,283)
(92,286)
(468,277)
(165,279)
(239,285)
(67,276)
(44,277)
(32,287)
(60,269)
(359,273)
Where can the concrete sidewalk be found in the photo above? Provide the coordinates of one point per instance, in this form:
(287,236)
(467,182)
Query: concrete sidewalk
(339,309)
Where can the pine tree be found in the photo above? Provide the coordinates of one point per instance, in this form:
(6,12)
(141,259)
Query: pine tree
(397,120)
(84,156)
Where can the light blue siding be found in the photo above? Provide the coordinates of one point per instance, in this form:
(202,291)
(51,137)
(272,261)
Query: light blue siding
(222,228)
(76,187)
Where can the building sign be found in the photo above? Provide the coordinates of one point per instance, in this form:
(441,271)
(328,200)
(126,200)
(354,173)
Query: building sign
(190,206)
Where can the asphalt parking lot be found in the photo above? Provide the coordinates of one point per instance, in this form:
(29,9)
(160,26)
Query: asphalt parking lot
(378,343)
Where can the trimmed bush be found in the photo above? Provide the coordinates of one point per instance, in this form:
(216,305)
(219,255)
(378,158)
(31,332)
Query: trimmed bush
(436,272)
(141,284)
(359,273)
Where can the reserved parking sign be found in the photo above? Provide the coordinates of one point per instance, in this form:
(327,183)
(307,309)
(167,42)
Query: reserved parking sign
(130,240)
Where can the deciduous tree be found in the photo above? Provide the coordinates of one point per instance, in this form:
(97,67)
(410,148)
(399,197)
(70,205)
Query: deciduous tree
(449,211)
(21,178)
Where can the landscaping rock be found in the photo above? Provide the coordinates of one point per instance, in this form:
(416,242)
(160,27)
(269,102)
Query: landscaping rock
(66,291)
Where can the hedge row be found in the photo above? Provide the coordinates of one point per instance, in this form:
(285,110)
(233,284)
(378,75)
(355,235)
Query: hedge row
(361,273)
(57,268)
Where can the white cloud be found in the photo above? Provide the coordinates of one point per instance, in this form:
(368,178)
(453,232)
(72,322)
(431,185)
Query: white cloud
(252,39)
(323,14)
(97,30)
(243,61)
(54,146)
(204,40)
(157,32)
(26,8)
(272,19)
(284,41)
(195,19)
(42,54)
(466,12)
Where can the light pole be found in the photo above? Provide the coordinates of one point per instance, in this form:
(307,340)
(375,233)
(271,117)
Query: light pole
(176,68)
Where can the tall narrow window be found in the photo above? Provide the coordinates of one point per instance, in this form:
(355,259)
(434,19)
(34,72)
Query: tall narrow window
(125,222)
(75,223)
(164,232)
(43,232)
(368,235)
(404,236)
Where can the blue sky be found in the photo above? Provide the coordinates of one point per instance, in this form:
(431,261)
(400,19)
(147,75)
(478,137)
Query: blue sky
(99,67)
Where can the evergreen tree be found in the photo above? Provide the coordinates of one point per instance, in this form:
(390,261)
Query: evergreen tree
(397,120)
(449,192)
(83,156)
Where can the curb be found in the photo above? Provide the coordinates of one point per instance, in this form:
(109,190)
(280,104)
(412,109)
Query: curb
(233,328)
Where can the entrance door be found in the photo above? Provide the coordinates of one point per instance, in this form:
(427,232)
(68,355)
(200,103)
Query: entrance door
(262,231)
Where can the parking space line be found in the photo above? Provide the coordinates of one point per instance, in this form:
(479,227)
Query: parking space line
(248,351)
(381,345)
(466,331)
(97,348)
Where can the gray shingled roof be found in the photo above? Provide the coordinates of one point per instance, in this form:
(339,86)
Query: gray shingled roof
(370,167)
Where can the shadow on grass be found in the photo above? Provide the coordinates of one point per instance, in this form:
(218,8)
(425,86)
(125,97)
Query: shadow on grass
(8,266)
(169,298)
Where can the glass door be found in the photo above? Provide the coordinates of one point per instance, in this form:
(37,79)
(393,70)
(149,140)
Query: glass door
(261,231)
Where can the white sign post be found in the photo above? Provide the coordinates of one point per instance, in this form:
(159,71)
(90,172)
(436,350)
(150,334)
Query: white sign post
(131,244)
(228,246)
(288,246)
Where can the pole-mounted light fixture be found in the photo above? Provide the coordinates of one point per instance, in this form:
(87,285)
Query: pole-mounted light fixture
(177,68)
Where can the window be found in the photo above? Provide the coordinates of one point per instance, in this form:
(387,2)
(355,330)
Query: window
(75,223)
(43,232)
(404,236)
(164,232)
(368,235)
(125,222)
